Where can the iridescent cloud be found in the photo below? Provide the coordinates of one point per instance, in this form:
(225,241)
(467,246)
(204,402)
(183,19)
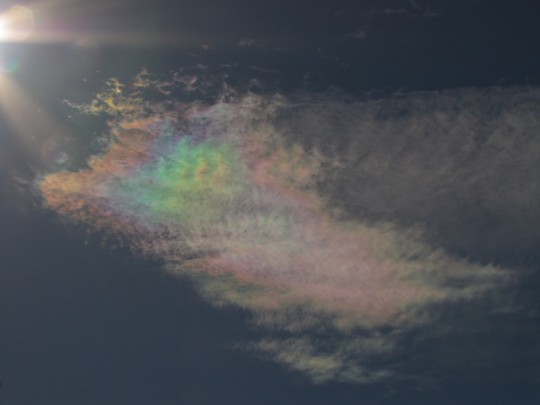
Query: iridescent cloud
(220,193)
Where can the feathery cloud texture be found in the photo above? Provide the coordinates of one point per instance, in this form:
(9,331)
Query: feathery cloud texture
(287,207)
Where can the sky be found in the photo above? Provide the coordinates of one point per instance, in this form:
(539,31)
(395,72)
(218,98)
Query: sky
(269,202)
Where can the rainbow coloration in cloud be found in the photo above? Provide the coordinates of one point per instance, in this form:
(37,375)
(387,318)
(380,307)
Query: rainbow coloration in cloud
(219,194)
(193,181)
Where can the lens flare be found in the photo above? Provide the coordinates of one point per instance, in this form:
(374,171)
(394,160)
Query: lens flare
(8,64)
(16,24)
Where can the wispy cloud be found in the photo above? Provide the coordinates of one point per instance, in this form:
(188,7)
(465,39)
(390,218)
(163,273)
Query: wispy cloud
(253,197)
(252,42)
(412,9)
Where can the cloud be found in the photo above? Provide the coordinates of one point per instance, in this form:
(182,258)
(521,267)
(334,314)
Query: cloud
(341,361)
(461,162)
(251,43)
(301,210)
(359,34)
(413,10)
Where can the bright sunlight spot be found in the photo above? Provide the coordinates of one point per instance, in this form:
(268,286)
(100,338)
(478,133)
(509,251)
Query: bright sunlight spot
(16,24)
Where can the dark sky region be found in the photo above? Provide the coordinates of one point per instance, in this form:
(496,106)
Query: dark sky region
(271,202)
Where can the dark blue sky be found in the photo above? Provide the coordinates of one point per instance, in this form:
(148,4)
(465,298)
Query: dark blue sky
(84,322)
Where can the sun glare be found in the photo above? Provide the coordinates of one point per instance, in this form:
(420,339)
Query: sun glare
(16,24)
(3,30)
